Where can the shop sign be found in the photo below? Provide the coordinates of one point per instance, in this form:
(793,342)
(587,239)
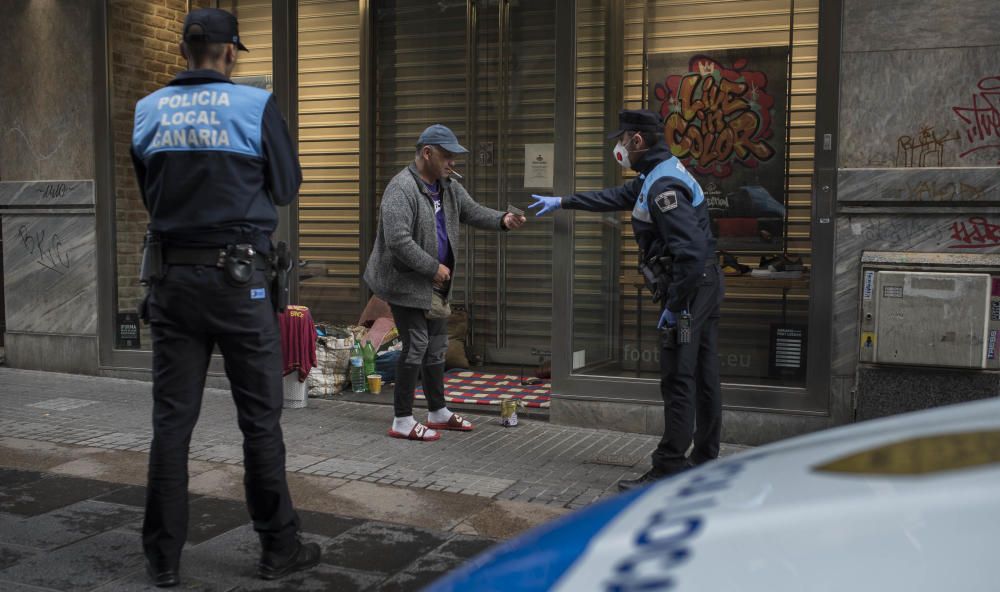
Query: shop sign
(538,166)
(788,351)
(127,334)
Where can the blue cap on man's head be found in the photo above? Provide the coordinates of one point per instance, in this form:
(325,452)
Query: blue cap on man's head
(439,135)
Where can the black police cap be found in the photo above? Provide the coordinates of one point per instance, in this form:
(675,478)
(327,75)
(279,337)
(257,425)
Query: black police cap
(637,120)
(212,25)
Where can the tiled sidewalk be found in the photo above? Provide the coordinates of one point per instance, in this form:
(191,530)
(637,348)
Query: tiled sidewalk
(534,462)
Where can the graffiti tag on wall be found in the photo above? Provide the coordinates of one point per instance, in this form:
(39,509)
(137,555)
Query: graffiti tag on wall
(974,233)
(47,251)
(936,191)
(982,118)
(716,115)
(926,149)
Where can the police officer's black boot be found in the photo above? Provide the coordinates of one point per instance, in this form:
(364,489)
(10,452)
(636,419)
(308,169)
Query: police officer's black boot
(162,577)
(650,476)
(273,566)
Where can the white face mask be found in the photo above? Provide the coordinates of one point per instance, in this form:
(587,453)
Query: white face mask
(621,156)
(621,152)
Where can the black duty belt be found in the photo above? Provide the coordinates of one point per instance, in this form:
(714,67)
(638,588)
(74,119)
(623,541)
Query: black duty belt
(668,263)
(206,257)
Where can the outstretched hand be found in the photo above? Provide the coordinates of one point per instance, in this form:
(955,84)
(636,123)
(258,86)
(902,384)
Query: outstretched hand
(546,203)
(513,221)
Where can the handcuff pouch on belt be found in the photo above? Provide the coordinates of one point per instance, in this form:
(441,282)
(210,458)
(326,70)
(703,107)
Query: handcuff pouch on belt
(238,263)
(281,263)
(656,275)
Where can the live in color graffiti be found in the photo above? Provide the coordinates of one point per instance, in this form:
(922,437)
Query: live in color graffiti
(721,110)
(724,118)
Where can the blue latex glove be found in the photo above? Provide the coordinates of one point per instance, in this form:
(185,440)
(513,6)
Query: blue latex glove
(667,319)
(548,204)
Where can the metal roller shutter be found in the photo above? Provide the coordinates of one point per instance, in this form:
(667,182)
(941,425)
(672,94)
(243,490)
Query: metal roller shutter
(329,201)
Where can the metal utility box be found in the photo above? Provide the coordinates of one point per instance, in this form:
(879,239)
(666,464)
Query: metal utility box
(927,319)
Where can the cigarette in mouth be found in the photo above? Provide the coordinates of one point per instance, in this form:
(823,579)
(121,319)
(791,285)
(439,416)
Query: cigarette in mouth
(456,173)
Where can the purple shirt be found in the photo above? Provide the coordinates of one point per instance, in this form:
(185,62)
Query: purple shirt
(444,246)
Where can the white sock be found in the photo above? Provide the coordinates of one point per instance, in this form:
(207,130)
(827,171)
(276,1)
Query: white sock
(403,425)
(442,415)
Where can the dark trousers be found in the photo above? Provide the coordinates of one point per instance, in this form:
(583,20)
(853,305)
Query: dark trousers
(190,311)
(689,382)
(425,343)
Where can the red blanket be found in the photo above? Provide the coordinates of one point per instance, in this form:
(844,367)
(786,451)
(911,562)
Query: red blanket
(298,341)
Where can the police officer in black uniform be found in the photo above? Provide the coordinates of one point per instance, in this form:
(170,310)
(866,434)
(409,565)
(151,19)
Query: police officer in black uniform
(678,261)
(213,160)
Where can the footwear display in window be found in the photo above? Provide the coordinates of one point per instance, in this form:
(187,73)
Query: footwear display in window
(779,267)
(731,266)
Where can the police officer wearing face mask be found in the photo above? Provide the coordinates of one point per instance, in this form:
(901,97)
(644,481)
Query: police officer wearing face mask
(213,160)
(678,262)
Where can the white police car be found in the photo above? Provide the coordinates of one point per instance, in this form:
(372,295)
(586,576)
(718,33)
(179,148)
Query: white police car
(908,503)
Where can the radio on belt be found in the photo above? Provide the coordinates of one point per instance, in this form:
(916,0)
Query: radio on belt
(684,328)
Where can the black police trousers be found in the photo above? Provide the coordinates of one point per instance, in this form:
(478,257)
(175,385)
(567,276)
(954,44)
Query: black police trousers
(690,384)
(191,310)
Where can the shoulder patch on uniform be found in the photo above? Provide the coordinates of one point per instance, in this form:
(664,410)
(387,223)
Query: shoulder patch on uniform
(666,201)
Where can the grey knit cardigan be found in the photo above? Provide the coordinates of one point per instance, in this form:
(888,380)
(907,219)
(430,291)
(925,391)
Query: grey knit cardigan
(404,260)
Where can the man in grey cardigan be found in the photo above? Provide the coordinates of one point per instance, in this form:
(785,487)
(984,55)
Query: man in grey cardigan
(412,264)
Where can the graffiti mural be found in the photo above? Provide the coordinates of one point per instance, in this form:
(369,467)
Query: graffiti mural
(724,118)
(982,118)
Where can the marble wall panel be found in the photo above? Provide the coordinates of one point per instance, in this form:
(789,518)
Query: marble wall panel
(623,417)
(964,233)
(751,428)
(50,273)
(908,24)
(46,193)
(898,109)
(932,185)
(47,130)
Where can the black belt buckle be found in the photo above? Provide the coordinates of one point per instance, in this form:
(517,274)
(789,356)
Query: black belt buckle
(239,263)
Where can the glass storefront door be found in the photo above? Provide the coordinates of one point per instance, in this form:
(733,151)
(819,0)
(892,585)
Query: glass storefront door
(502,109)
(510,284)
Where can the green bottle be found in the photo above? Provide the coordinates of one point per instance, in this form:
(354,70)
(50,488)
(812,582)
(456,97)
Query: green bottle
(368,352)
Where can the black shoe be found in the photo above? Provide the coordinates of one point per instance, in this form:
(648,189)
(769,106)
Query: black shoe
(163,578)
(304,557)
(650,476)
(697,462)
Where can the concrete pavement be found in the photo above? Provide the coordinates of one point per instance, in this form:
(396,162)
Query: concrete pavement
(357,488)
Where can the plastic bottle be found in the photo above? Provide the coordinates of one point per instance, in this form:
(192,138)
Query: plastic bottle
(368,353)
(358,381)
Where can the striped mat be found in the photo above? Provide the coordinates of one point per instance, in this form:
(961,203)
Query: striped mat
(477,388)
